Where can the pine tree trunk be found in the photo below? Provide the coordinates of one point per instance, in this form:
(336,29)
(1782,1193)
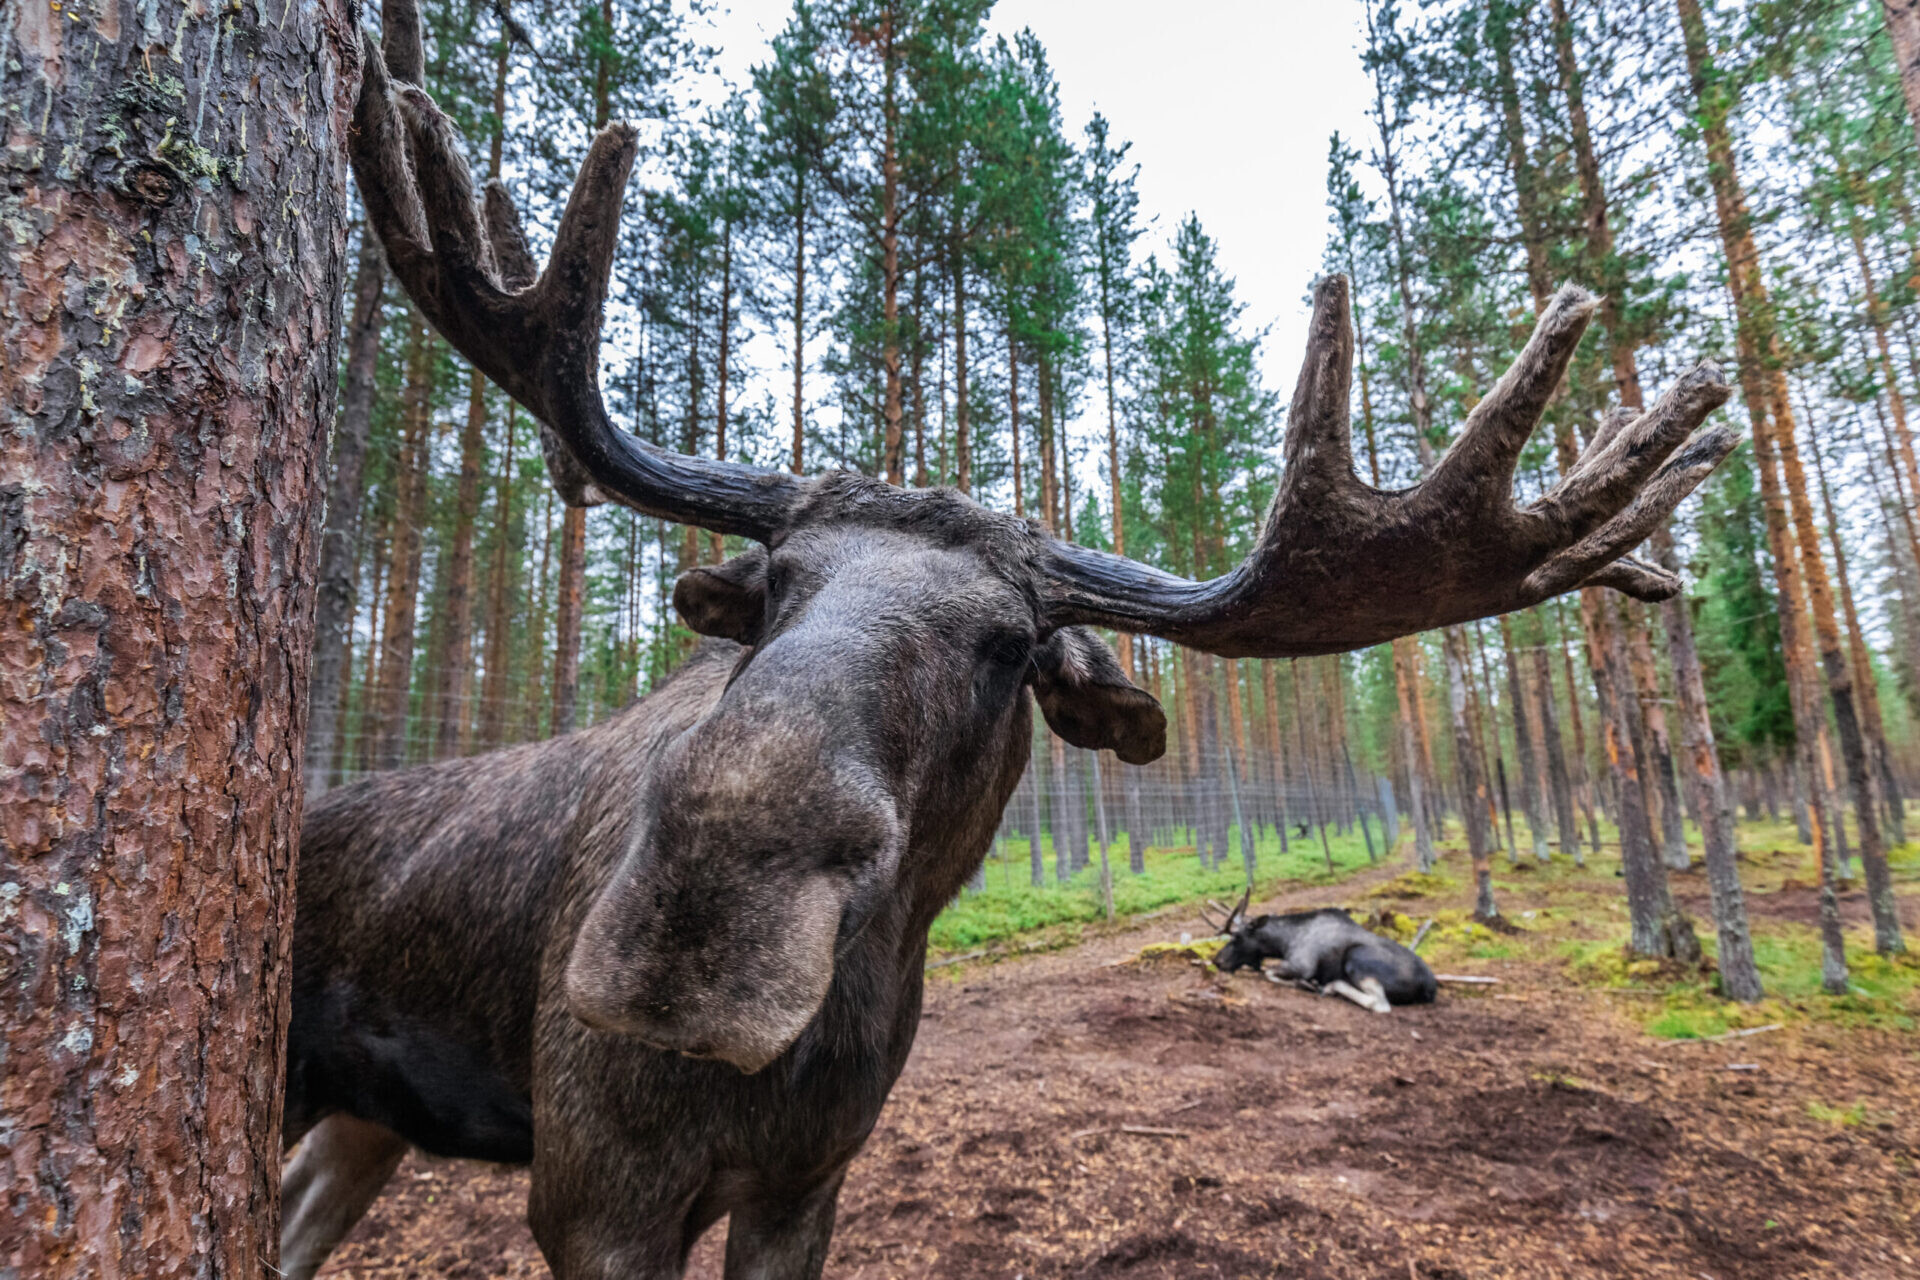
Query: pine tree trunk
(962,437)
(1664,786)
(453,653)
(499,651)
(1523,747)
(1049,471)
(1125,646)
(535,684)
(799,318)
(567,618)
(1276,753)
(1013,421)
(892,410)
(169,326)
(340,542)
(1403,682)
(1582,776)
(1739,976)
(1475,804)
(1873,727)
(403,571)
(1752,339)
(1559,781)
(367,730)
(1657,926)
(452,674)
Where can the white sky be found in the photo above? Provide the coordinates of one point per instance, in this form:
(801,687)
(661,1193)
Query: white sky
(1228,104)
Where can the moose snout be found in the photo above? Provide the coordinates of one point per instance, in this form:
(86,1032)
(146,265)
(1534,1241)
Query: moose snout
(716,936)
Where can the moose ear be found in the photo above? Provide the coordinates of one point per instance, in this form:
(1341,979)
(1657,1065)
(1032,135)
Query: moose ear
(728,600)
(1089,701)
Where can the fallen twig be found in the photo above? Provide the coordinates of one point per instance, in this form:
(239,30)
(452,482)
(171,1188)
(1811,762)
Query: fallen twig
(1421,936)
(1467,979)
(1137,1130)
(1728,1035)
(971,955)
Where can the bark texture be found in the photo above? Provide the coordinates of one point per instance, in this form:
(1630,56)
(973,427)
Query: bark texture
(170,290)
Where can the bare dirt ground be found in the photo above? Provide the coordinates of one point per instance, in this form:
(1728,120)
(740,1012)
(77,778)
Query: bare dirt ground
(1527,1129)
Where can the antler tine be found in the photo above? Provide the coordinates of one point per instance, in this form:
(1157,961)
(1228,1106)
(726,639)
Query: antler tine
(1239,912)
(1319,447)
(1338,566)
(511,256)
(1614,468)
(1638,579)
(1612,423)
(382,169)
(1481,461)
(402,48)
(1593,553)
(537,336)
(445,190)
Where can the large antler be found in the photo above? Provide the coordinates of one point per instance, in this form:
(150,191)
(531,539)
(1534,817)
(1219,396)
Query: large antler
(535,333)
(1339,565)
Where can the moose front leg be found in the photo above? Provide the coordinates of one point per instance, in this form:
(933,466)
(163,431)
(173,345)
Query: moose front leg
(783,1239)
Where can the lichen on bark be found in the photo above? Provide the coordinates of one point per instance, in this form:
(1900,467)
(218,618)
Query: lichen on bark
(172,235)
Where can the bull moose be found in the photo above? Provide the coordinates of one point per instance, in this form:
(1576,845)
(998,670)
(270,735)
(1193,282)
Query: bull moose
(674,961)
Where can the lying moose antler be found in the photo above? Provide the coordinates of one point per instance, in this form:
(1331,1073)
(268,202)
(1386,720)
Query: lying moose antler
(1337,565)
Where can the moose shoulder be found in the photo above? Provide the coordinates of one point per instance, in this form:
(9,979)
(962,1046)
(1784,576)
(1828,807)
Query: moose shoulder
(675,960)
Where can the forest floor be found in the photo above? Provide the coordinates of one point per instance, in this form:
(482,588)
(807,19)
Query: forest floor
(1111,1108)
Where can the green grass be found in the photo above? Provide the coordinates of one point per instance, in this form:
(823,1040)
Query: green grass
(1881,993)
(1846,1117)
(1012,908)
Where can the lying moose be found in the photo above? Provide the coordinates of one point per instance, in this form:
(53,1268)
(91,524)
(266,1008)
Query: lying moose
(674,961)
(1326,951)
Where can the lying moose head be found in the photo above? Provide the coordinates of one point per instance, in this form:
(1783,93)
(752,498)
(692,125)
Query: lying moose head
(893,633)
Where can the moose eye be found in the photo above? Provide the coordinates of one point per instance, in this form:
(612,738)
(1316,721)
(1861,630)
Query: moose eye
(1007,649)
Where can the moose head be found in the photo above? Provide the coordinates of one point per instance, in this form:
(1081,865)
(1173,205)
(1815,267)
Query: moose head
(853,771)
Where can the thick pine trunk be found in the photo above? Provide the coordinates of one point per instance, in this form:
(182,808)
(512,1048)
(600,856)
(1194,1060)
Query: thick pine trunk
(1658,928)
(169,316)
(340,543)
